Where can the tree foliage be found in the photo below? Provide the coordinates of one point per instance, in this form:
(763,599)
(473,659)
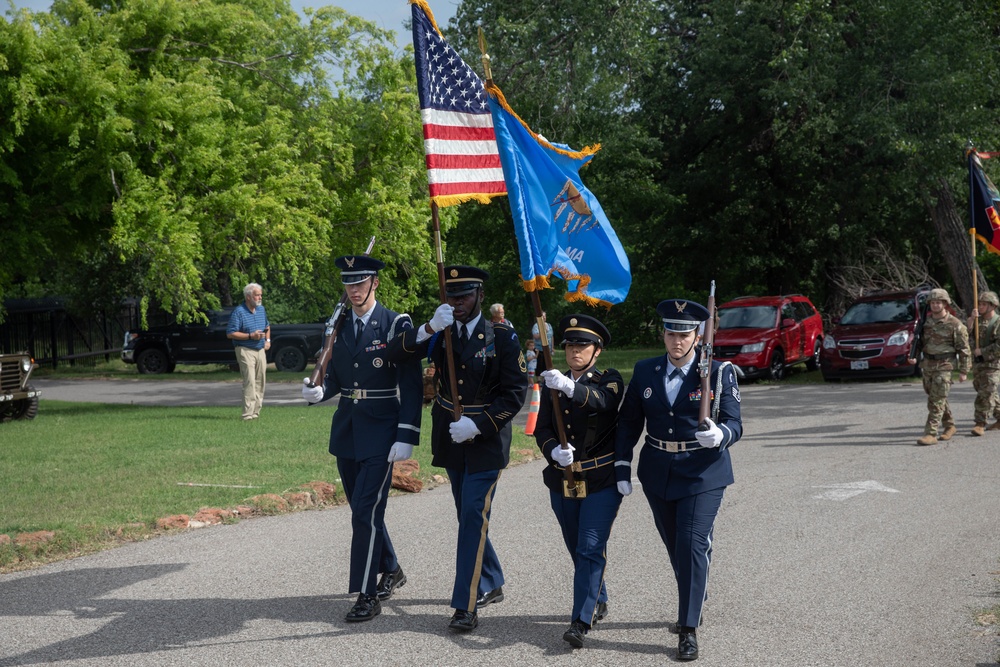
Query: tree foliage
(178,150)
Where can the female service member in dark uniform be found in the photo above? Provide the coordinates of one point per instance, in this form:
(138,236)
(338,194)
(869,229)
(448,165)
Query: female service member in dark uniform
(373,427)
(684,471)
(588,401)
(492,382)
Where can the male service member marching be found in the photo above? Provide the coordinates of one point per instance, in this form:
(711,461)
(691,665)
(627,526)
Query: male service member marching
(377,422)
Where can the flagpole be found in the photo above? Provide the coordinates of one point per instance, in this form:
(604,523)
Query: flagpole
(449,353)
(970,152)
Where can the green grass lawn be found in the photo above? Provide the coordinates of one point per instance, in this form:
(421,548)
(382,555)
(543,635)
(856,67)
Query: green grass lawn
(85,470)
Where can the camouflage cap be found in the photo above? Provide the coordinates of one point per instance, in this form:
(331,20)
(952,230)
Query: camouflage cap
(938,294)
(990,298)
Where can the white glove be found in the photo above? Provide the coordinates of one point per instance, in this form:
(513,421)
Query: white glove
(400,452)
(311,394)
(554,379)
(444,316)
(710,438)
(624,487)
(462,430)
(563,457)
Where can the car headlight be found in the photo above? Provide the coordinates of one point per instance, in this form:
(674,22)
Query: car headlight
(829,343)
(25,364)
(898,338)
(755,347)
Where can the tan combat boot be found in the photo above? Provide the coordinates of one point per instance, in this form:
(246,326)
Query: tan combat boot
(979,428)
(927,440)
(948,432)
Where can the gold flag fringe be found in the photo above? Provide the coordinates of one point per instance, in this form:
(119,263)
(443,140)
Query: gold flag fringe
(492,89)
(427,10)
(986,243)
(444,201)
(542,282)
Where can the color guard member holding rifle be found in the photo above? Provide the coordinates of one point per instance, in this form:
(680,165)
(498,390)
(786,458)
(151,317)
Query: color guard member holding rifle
(492,383)
(589,400)
(377,422)
(684,471)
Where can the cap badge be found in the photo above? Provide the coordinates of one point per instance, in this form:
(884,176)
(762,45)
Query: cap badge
(350,262)
(454,273)
(572,322)
(680,305)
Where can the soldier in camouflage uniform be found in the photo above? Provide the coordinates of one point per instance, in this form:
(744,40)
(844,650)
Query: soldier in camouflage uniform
(943,337)
(986,361)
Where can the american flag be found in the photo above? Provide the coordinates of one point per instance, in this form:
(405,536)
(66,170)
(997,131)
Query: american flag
(461,148)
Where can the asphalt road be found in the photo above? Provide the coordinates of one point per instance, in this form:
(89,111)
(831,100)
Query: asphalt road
(841,543)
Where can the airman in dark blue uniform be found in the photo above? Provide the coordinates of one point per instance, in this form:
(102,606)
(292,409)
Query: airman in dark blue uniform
(684,471)
(377,422)
(492,383)
(588,401)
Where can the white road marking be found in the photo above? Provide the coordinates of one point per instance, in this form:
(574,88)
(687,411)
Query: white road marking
(850,489)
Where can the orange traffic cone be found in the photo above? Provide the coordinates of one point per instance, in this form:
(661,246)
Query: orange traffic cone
(529,428)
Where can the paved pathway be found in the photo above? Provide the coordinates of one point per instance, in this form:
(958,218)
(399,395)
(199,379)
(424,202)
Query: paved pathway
(842,543)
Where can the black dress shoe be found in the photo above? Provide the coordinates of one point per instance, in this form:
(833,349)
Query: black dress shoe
(687,643)
(496,595)
(577,631)
(464,621)
(389,582)
(601,611)
(365,609)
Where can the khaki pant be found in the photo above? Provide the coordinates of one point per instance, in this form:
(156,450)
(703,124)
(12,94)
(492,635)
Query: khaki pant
(253,363)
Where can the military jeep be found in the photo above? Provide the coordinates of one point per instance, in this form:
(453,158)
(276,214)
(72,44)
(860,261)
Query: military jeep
(18,399)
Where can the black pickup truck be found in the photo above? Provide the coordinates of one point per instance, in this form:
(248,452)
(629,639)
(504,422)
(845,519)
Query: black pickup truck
(160,349)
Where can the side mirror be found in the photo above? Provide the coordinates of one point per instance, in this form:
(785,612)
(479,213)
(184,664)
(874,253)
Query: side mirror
(787,322)
(835,320)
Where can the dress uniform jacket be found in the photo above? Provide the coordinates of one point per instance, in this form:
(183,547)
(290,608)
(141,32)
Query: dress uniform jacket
(492,385)
(590,419)
(370,417)
(664,474)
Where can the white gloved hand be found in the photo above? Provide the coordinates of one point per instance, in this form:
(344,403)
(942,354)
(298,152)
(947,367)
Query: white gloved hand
(444,316)
(400,452)
(563,457)
(311,394)
(710,438)
(462,430)
(554,379)
(624,487)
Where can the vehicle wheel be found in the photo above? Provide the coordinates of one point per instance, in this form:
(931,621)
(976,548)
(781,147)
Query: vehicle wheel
(813,362)
(777,366)
(26,408)
(827,378)
(290,358)
(152,361)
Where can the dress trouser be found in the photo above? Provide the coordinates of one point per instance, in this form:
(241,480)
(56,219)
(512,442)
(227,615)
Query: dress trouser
(586,527)
(685,526)
(366,484)
(477,568)
(253,364)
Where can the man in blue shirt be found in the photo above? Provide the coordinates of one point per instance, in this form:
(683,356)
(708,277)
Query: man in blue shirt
(250,331)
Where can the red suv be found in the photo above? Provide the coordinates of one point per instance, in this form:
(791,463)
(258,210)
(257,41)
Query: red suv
(764,335)
(874,336)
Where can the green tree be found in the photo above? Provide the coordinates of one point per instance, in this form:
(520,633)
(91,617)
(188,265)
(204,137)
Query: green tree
(177,150)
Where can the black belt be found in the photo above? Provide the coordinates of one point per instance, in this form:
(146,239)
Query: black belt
(939,357)
(590,464)
(671,446)
(367,393)
(466,409)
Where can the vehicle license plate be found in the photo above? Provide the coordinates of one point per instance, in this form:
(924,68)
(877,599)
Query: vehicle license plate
(859,365)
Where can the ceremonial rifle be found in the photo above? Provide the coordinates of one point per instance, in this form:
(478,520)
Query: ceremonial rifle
(332,330)
(705,364)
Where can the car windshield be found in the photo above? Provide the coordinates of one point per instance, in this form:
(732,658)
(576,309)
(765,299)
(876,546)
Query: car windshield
(874,312)
(748,317)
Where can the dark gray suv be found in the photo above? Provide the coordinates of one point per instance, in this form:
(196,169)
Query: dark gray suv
(18,399)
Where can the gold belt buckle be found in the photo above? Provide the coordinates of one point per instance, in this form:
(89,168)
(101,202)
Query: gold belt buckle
(357,393)
(577,491)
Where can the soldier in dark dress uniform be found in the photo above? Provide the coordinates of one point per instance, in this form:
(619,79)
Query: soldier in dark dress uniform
(684,471)
(588,401)
(492,383)
(377,422)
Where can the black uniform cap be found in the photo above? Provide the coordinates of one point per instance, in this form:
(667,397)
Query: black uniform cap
(583,330)
(681,315)
(356,268)
(459,279)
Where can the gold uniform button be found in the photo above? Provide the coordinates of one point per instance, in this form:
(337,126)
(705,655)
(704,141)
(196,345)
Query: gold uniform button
(461,381)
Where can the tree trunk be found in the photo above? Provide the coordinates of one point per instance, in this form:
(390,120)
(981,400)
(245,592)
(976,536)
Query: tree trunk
(956,245)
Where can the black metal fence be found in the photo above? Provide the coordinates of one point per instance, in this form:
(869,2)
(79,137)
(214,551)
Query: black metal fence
(53,335)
